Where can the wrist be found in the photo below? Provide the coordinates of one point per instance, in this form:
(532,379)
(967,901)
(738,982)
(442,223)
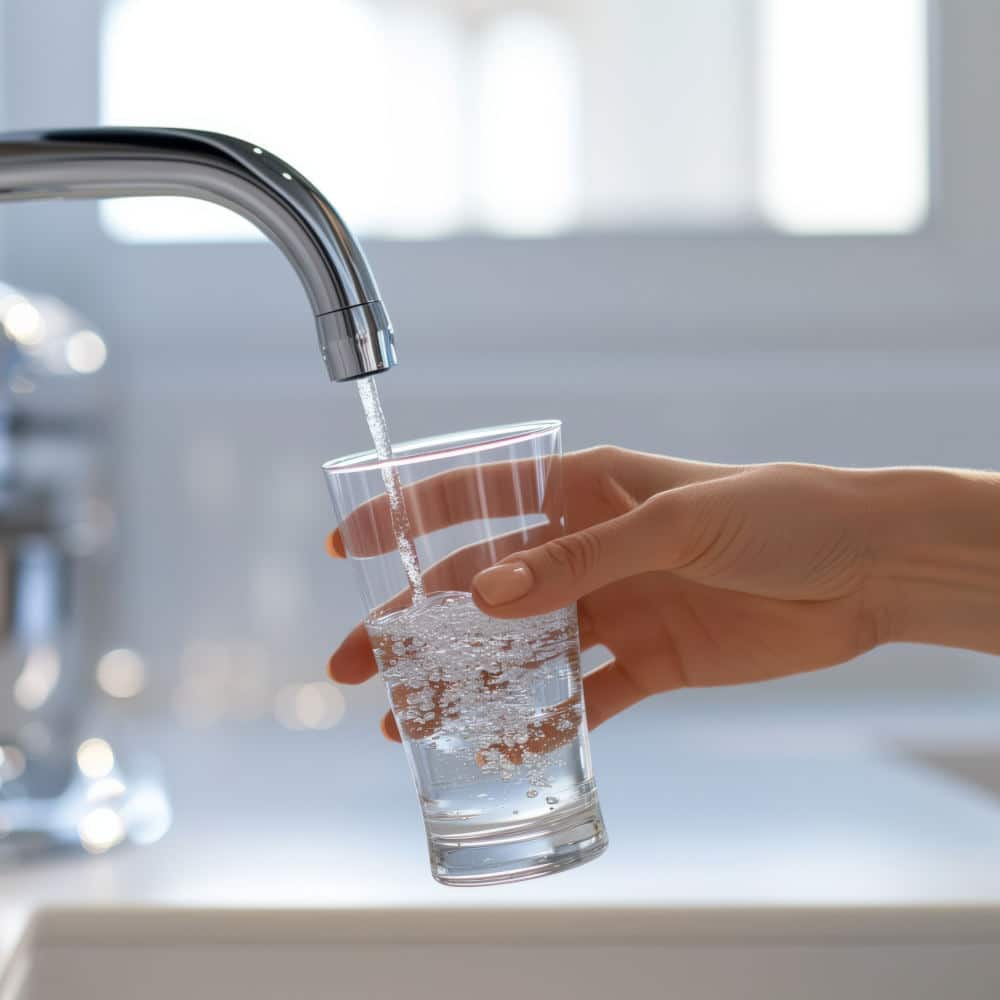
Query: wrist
(934,542)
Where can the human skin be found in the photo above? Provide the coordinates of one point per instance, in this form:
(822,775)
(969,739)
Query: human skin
(695,575)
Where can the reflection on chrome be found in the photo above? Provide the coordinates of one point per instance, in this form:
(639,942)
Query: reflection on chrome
(109,801)
(121,673)
(12,762)
(52,338)
(49,780)
(95,758)
(90,527)
(104,789)
(38,678)
(20,384)
(86,352)
(101,829)
(22,322)
(147,813)
(35,737)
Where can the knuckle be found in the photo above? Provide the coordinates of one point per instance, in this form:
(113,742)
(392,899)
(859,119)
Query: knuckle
(696,527)
(575,555)
(601,456)
(606,453)
(672,512)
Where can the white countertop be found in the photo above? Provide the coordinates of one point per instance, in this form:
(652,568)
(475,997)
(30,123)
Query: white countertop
(794,809)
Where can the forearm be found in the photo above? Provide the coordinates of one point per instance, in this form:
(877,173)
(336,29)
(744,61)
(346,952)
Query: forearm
(935,567)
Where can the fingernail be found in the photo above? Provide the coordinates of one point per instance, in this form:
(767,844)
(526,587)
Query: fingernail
(504,583)
(389,728)
(335,545)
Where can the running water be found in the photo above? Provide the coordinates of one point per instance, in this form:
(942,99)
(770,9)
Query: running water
(476,696)
(393,488)
(491,716)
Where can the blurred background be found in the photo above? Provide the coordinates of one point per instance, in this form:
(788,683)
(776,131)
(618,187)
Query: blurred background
(730,230)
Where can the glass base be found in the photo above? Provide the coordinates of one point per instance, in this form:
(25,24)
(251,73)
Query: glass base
(505,855)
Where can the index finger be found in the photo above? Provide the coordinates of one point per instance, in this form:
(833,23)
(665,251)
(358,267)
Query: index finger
(471,493)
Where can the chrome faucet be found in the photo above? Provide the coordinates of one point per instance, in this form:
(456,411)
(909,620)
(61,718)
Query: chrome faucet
(355,335)
(41,795)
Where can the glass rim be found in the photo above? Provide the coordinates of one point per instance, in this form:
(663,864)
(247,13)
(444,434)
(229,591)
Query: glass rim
(437,446)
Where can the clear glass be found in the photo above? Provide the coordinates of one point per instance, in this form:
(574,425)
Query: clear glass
(490,711)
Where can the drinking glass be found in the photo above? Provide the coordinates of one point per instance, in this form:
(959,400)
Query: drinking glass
(490,711)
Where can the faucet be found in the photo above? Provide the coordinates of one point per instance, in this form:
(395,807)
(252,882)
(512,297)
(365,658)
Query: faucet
(355,334)
(52,518)
(41,797)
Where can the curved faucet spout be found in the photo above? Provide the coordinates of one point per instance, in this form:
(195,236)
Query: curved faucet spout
(355,334)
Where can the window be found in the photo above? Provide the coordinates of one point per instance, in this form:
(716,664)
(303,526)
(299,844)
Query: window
(427,119)
(843,115)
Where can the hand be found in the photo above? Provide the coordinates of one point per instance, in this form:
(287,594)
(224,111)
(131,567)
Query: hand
(689,574)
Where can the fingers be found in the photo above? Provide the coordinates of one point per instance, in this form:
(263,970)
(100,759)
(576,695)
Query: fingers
(499,489)
(455,572)
(565,569)
(586,628)
(508,489)
(609,690)
(389,728)
(645,475)
(354,661)
(335,545)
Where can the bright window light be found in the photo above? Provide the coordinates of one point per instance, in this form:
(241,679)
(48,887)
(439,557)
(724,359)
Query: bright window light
(843,117)
(424,193)
(381,143)
(423,118)
(528,112)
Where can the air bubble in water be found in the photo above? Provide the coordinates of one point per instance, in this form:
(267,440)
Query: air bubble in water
(475,690)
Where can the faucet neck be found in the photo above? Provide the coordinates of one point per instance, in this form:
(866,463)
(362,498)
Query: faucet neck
(354,329)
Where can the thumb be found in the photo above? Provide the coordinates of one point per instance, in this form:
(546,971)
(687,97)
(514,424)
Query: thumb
(563,570)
